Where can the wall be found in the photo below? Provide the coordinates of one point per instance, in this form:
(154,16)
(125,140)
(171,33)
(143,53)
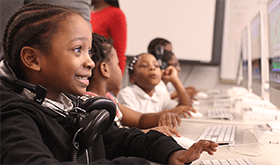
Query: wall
(188,24)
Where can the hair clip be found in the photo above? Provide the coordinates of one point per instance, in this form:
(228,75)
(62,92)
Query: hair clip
(132,63)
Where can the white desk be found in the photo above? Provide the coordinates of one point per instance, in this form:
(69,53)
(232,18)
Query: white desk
(192,129)
(206,104)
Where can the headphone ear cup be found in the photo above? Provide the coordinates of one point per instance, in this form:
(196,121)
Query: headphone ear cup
(93,125)
(99,103)
(102,112)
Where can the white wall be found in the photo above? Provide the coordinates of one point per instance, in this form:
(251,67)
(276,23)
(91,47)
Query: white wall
(188,24)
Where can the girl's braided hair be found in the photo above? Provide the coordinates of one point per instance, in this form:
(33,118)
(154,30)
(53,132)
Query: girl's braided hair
(34,24)
(101,48)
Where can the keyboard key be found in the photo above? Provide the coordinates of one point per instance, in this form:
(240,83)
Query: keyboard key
(219,113)
(222,134)
(232,162)
(238,161)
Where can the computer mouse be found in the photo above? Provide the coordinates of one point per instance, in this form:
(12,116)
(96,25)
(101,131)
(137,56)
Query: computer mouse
(196,115)
(201,95)
(184,141)
(195,102)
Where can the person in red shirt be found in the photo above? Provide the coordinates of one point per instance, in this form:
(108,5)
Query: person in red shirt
(107,19)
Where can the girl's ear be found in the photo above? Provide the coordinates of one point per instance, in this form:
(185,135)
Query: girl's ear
(29,58)
(104,69)
(132,79)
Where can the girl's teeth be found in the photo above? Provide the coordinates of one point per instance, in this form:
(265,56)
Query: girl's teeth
(79,77)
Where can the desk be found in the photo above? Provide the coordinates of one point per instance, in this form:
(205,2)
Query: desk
(192,129)
(237,105)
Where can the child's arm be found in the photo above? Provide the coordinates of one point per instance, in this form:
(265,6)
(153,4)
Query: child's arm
(190,90)
(170,74)
(182,110)
(168,131)
(132,118)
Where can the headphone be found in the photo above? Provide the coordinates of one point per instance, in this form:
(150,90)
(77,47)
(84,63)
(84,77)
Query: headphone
(93,117)
(159,52)
(99,115)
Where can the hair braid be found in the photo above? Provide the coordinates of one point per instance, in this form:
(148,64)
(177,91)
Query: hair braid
(25,8)
(33,24)
(101,48)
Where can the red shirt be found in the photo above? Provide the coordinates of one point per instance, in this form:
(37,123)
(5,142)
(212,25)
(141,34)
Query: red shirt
(111,23)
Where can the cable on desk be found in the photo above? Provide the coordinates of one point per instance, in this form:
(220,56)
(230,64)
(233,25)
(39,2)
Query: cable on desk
(231,146)
(247,144)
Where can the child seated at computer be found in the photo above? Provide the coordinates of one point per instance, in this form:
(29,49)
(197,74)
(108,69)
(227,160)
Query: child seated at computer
(145,96)
(169,59)
(46,62)
(106,77)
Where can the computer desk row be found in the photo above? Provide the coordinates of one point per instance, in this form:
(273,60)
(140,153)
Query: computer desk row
(246,145)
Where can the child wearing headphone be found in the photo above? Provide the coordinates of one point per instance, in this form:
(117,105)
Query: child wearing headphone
(107,77)
(46,64)
(169,58)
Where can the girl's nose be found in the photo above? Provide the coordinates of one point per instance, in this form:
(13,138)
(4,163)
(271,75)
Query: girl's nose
(89,63)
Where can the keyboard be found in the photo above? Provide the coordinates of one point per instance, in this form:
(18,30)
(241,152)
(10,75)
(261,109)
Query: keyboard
(221,96)
(219,113)
(222,103)
(238,161)
(221,134)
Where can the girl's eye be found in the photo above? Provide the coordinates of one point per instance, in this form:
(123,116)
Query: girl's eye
(90,52)
(157,66)
(78,49)
(143,66)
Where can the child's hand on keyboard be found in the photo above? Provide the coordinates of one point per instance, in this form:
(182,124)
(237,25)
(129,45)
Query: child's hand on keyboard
(193,153)
(169,119)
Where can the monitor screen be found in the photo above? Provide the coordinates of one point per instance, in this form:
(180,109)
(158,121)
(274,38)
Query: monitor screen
(245,59)
(273,9)
(256,54)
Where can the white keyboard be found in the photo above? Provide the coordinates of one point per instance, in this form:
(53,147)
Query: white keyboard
(219,113)
(238,161)
(221,134)
(221,96)
(222,103)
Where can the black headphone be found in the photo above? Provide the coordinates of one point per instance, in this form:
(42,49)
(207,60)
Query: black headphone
(99,116)
(159,52)
(93,117)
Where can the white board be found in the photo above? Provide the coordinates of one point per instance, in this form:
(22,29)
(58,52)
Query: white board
(187,24)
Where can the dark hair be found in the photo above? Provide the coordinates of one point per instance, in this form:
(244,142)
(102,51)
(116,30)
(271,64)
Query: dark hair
(101,48)
(33,24)
(154,43)
(114,3)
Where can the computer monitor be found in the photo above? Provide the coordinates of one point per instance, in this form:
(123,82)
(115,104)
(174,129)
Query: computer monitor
(259,57)
(273,13)
(245,60)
